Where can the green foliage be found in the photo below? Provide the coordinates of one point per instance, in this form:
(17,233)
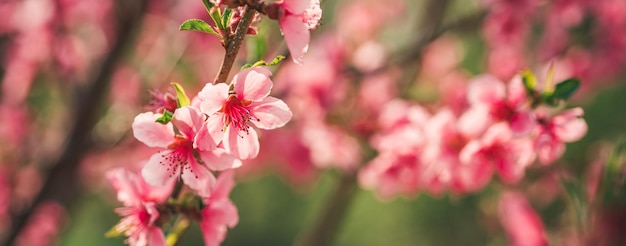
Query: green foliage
(166,117)
(275,61)
(181,97)
(198,25)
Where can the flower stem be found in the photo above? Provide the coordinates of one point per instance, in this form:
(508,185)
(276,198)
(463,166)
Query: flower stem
(233,44)
(177,231)
(325,229)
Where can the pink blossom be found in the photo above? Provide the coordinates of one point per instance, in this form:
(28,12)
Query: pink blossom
(299,17)
(44,225)
(390,175)
(219,211)
(497,150)
(520,221)
(231,112)
(552,134)
(140,212)
(330,146)
(492,102)
(179,159)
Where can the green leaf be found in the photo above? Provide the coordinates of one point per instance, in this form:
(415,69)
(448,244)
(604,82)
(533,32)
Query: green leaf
(530,82)
(566,89)
(228,13)
(181,97)
(208,5)
(165,118)
(276,61)
(217,18)
(198,25)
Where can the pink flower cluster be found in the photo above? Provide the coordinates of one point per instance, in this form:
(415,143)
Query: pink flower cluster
(213,133)
(499,132)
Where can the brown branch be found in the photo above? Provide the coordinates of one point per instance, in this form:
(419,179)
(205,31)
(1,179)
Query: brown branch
(61,184)
(233,44)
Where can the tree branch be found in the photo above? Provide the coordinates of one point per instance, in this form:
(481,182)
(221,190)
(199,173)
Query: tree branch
(233,44)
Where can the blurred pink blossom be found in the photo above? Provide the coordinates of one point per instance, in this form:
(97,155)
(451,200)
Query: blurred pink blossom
(219,212)
(520,221)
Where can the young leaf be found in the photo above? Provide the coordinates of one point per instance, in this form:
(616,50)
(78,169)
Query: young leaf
(113,232)
(181,97)
(198,25)
(276,61)
(530,82)
(566,89)
(228,13)
(217,18)
(166,117)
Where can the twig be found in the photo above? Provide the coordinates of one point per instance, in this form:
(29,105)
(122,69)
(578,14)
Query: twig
(233,44)
(61,184)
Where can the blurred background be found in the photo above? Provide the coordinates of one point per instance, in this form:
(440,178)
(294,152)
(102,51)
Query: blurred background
(74,74)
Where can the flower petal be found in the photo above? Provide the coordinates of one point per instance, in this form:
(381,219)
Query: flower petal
(244,146)
(188,120)
(219,160)
(156,237)
(123,181)
(212,97)
(297,37)
(570,126)
(271,113)
(295,6)
(198,178)
(253,84)
(485,89)
(150,132)
(210,134)
(158,174)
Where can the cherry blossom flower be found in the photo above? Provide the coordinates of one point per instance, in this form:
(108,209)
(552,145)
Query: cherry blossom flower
(219,211)
(552,134)
(181,157)
(497,150)
(299,17)
(232,111)
(140,212)
(491,102)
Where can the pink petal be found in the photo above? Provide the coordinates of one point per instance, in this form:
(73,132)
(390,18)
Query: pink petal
(516,93)
(210,134)
(474,121)
(271,113)
(467,154)
(123,182)
(156,237)
(219,160)
(497,134)
(253,84)
(198,178)
(223,186)
(485,89)
(212,97)
(241,144)
(520,221)
(296,36)
(522,123)
(295,6)
(150,132)
(548,148)
(156,173)
(188,120)
(569,125)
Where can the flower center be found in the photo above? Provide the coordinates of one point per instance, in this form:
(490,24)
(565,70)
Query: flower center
(178,155)
(236,113)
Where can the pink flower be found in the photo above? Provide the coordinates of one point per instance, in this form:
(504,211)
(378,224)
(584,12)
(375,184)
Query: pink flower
(498,150)
(552,134)
(520,221)
(391,174)
(232,110)
(299,17)
(492,102)
(219,212)
(179,159)
(140,212)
